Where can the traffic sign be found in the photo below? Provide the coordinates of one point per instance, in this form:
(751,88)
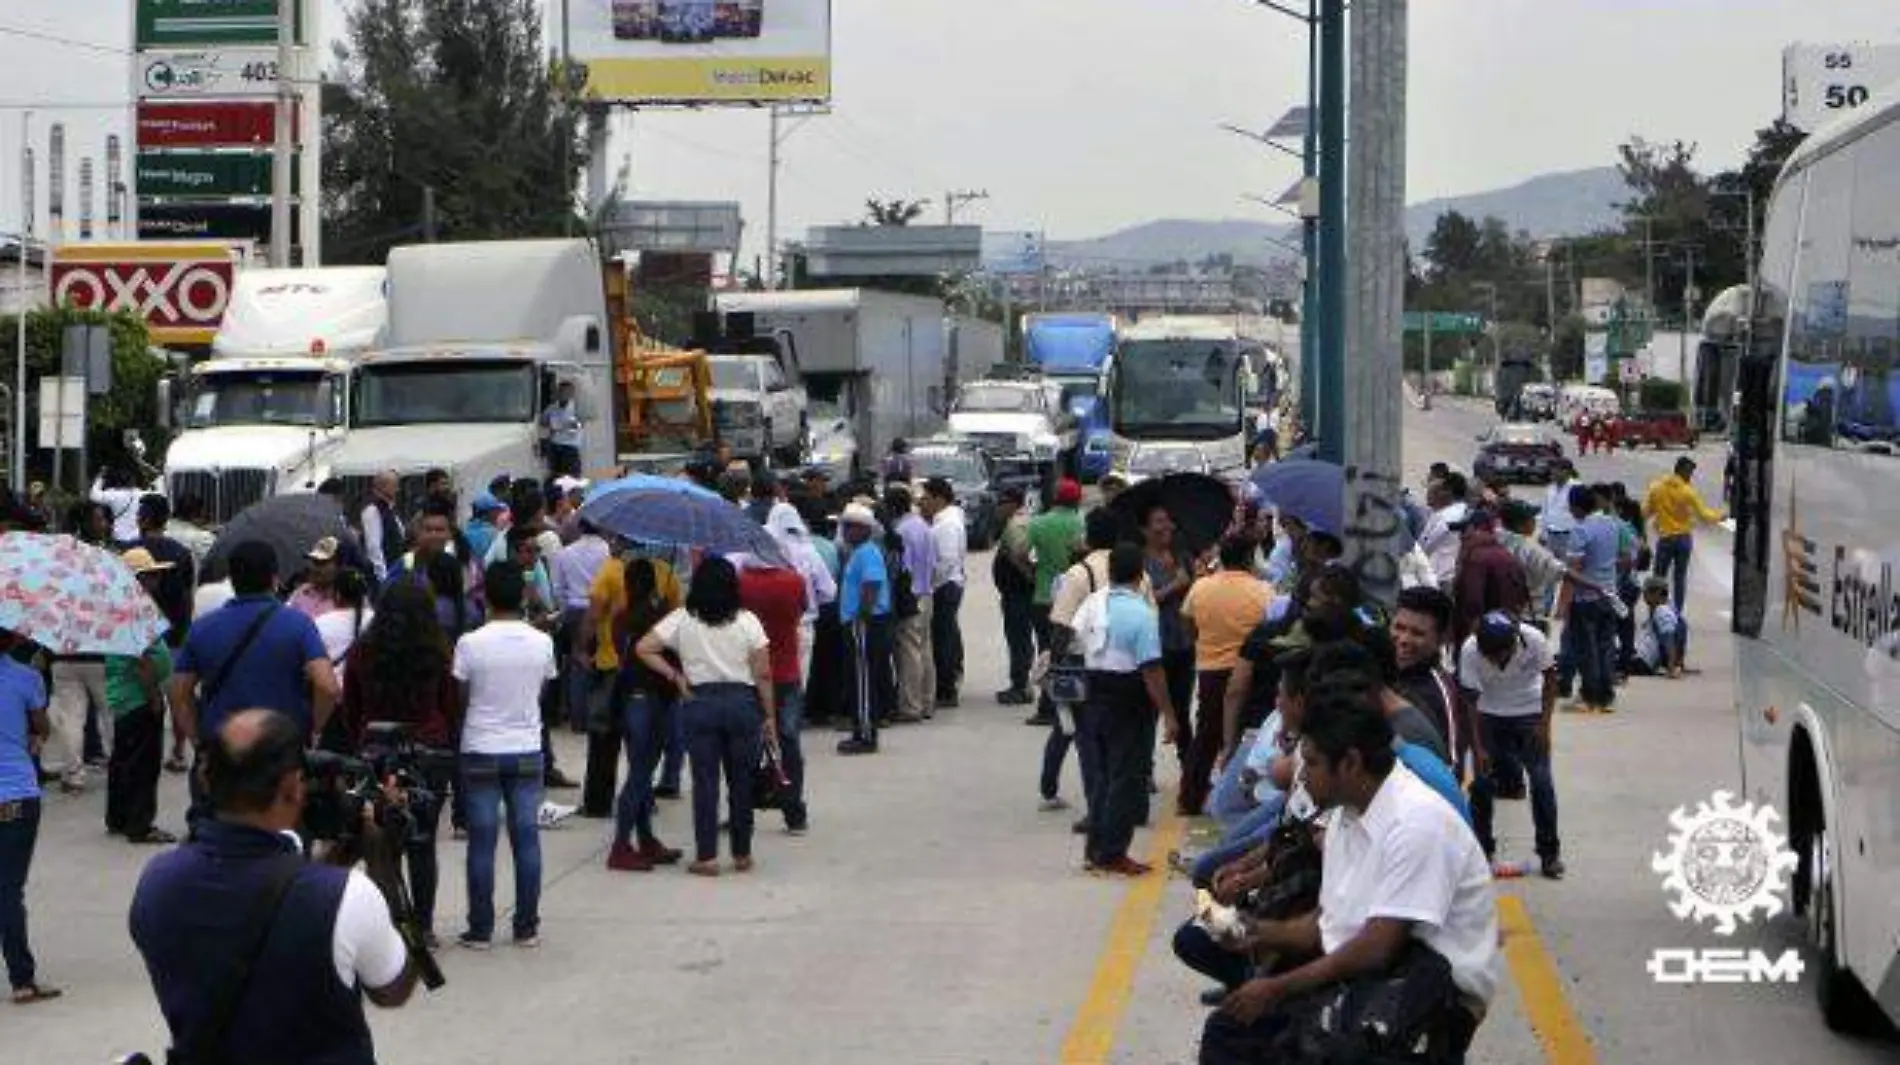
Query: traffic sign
(1444,322)
(205,72)
(208,124)
(213,174)
(1822,82)
(169,23)
(179,289)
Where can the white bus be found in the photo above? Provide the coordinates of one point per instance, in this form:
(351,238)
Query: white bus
(1180,385)
(1817,595)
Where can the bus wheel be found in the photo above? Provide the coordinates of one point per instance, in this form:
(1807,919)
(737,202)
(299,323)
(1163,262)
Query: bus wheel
(1845,1004)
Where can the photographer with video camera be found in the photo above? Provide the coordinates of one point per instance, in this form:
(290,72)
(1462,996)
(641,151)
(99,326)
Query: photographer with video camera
(256,955)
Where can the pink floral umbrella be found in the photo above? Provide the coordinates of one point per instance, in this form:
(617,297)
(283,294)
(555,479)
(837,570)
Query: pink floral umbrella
(73,598)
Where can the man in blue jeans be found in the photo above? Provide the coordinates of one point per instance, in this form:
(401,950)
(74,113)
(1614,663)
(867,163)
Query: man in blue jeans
(1506,668)
(503,667)
(1590,632)
(23,728)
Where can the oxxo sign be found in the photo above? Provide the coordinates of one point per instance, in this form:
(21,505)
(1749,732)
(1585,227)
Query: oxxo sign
(180,290)
(1820,83)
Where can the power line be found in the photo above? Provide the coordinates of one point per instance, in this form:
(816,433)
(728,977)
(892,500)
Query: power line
(70,42)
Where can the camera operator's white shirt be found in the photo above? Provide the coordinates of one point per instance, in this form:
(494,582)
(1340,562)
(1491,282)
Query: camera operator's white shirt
(1410,857)
(365,946)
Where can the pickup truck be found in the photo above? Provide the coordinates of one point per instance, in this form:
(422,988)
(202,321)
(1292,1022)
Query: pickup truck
(756,410)
(1654,428)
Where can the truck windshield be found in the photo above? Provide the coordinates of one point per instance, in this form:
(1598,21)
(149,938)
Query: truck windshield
(220,399)
(955,467)
(1074,388)
(1177,389)
(998,400)
(409,393)
(738,374)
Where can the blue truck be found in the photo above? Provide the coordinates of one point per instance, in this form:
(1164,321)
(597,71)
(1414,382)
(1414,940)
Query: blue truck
(1074,349)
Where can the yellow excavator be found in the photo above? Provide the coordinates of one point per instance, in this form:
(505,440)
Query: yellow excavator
(665,392)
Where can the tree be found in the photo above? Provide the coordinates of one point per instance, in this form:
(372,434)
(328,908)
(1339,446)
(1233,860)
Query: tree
(129,405)
(894,212)
(1452,247)
(457,96)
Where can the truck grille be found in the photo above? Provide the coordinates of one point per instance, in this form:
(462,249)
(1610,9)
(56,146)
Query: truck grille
(224,492)
(995,443)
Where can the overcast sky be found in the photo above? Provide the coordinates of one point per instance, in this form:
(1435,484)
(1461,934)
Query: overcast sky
(1083,116)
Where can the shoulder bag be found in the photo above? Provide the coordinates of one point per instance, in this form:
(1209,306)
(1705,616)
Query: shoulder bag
(208,691)
(1068,676)
(206,1045)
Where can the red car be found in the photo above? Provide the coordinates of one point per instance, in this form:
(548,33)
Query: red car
(1654,428)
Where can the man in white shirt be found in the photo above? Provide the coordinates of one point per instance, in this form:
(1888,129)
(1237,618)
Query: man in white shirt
(384,535)
(571,573)
(115,490)
(938,505)
(561,427)
(1507,668)
(1442,536)
(1557,521)
(502,667)
(1400,871)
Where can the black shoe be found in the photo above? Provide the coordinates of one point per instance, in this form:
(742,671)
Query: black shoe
(1013,697)
(1080,828)
(1553,868)
(854,745)
(1214,996)
(1511,794)
(1039,720)
(560,781)
(596,815)
(664,792)
(946,702)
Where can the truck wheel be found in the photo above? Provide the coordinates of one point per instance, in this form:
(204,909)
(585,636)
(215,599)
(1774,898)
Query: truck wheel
(1845,1004)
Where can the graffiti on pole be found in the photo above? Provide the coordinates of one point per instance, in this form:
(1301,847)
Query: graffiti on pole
(1375,523)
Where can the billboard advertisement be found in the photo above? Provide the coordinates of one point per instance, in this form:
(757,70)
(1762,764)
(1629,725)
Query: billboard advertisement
(704,51)
(180,289)
(208,124)
(167,23)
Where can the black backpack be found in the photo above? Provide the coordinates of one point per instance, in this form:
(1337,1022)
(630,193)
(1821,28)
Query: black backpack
(903,594)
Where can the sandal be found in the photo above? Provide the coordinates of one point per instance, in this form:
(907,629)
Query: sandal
(708,868)
(31,993)
(153,837)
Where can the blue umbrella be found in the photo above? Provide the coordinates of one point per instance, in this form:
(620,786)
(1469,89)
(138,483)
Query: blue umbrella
(1307,490)
(692,517)
(646,482)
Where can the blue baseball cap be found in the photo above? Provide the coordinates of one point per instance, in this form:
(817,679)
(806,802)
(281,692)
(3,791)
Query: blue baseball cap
(1496,630)
(486,503)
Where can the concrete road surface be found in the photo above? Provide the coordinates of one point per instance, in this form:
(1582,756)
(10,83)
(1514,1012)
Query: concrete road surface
(934,915)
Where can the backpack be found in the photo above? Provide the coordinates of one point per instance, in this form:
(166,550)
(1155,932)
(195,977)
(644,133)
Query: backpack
(903,594)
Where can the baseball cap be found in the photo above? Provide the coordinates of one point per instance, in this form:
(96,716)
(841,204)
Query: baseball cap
(1068,492)
(1496,631)
(323,550)
(139,560)
(858,514)
(486,503)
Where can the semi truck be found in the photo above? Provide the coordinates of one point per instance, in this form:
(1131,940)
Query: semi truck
(267,412)
(1075,350)
(481,336)
(874,365)
(1180,383)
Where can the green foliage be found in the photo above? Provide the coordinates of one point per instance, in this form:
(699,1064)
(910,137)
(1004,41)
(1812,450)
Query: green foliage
(1656,393)
(665,313)
(454,95)
(893,212)
(130,404)
(1567,348)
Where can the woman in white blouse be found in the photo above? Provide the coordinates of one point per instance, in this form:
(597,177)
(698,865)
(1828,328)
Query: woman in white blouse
(725,685)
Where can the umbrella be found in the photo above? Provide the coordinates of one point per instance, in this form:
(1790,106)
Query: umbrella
(73,598)
(1202,508)
(290,524)
(646,482)
(1307,490)
(685,516)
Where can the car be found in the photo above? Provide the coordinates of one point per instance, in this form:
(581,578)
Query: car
(976,479)
(1537,403)
(1517,452)
(1654,428)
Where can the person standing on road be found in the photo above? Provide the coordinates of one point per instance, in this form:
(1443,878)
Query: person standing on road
(1171,573)
(776,595)
(503,667)
(176,582)
(135,698)
(951,539)
(727,699)
(633,597)
(574,570)
(1442,537)
(864,609)
(561,429)
(916,664)
(1590,630)
(1055,537)
(24,727)
(1014,574)
(1543,571)
(316,596)
(1118,633)
(1488,577)
(1555,519)
(383,532)
(1221,610)
(1675,506)
(1507,671)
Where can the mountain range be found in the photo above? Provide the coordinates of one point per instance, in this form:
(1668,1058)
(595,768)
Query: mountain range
(1550,205)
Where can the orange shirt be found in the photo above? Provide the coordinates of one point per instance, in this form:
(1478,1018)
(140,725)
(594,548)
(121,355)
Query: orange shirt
(1225,608)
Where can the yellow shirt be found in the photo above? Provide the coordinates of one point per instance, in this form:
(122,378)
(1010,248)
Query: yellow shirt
(1674,506)
(1225,608)
(607,598)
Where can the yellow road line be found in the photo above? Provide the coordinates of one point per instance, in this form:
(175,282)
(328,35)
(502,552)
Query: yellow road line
(1092,1034)
(1541,989)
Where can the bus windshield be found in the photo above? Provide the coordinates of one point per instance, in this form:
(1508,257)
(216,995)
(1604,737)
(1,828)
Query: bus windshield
(224,399)
(1178,389)
(410,393)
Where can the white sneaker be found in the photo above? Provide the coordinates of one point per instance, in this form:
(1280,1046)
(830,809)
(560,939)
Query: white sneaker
(553,814)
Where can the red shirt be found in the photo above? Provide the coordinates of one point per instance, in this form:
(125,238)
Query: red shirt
(777,597)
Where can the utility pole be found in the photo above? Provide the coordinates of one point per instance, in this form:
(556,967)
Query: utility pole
(1649,267)
(1329,414)
(281,161)
(1369,441)
(1309,233)
(428,214)
(1688,320)
(953,199)
(19,354)
(778,132)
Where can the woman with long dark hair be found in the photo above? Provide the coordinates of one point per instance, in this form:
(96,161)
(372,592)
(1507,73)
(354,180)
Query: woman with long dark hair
(646,704)
(726,698)
(398,671)
(448,579)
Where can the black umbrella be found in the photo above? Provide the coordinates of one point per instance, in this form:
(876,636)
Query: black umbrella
(1202,508)
(290,524)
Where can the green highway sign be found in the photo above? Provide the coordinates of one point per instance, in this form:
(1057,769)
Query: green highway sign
(1444,322)
(210,174)
(175,23)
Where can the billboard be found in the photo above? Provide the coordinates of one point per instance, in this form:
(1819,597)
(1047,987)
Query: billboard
(180,289)
(207,124)
(216,174)
(166,23)
(704,51)
(1822,82)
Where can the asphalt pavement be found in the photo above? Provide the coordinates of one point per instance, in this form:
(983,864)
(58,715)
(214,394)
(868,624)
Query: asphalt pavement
(935,915)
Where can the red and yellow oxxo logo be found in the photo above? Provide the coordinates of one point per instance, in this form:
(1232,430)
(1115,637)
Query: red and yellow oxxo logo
(180,288)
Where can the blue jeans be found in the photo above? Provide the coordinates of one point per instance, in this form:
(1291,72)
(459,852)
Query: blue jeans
(646,724)
(1249,832)
(1672,561)
(17,838)
(673,759)
(1229,804)
(791,721)
(723,722)
(494,781)
(1056,748)
(1517,737)
(1594,648)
